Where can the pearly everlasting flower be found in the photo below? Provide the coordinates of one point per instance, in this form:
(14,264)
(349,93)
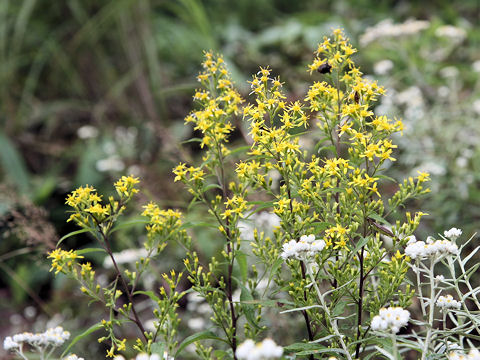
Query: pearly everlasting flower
(452,32)
(431,248)
(387,29)
(448,302)
(411,239)
(10,344)
(383,67)
(262,221)
(476,66)
(266,350)
(476,106)
(453,233)
(392,318)
(143,356)
(473,354)
(196,323)
(53,337)
(73,357)
(87,132)
(307,246)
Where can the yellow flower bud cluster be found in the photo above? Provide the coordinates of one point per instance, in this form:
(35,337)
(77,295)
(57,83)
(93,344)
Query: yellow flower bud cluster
(218,101)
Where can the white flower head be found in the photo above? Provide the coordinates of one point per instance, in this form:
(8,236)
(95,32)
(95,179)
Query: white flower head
(430,249)
(75,357)
(10,344)
(383,67)
(306,247)
(452,32)
(392,318)
(448,302)
(453,234)
(473,354)
(266,350)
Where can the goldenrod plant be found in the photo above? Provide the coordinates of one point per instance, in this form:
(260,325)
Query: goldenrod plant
(333,252)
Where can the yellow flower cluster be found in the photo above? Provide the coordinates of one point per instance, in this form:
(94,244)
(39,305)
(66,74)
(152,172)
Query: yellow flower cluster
(187,174)
(217,103)
(270,109)
(235,205)
(125,186)
(62,259)
(335,53)
(162,225)
(88,210)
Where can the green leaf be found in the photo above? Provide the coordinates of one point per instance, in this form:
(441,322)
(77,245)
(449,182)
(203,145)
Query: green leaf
(361,243)
(150,294)
(192,224)
(329,148)
(241,258)
(87,332)
(197,337)
(248,308)
(386,178)
(129,224)
(73,233)
(158,348)
(302,349)
(338,309)
(320,226)
(378,218)
(90,250)
(13,165)
(210,187)
(263,205)
(239,149)
(191,140)
(273,269)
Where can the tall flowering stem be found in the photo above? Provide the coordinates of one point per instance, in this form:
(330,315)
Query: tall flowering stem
(431,308)
(330,318)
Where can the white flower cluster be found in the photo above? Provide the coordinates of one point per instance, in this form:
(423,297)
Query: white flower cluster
(448,302)
(387,28)
(266,350)
(383,67)
(452,32)
(474,354)
(453,233)
(307,246)
(52,337)
(392,318)
(144,356)
(73,357)
(431,248)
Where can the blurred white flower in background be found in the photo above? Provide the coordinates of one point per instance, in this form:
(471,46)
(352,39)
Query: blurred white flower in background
(454,33)
(87,132)
(262,221)
(383,67)
(387,28)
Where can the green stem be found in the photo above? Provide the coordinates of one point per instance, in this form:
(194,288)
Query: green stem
(333,322)
(395,347)
(431,309)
